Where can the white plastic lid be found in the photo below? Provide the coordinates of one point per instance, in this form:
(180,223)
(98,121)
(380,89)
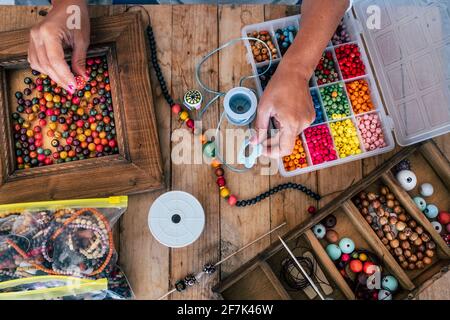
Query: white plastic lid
(411,55)
(176,219)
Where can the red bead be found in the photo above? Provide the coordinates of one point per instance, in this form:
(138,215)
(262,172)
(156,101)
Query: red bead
(219,172)
(80,82)
(221,181)
(190,123)
(232,200)
(368,268)
(312,209)
(176,108)
(444,218)
(356,266)
(345,257)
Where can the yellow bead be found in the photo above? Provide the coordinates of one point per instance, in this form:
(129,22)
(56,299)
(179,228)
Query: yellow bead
(184,115)
(87,132)
(224,192)
(57,134)
(93,126)
(87,94)
(30,133)
(91,146)
(56,99)
(82,137)
(102,135)
(52,126)
(79,130)
(80,111)
(48,97)
(63,155)
(26,125)
(35,108)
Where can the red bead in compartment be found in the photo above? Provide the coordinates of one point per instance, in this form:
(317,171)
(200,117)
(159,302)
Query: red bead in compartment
(320,144)
(349,59)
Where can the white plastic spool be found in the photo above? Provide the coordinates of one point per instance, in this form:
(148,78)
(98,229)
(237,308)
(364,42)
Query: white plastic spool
(176,219)
(240,106)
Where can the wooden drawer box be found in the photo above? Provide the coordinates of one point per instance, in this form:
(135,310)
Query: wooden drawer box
(261,278)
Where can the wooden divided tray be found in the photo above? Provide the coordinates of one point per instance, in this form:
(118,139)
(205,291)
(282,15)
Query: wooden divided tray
(261,278)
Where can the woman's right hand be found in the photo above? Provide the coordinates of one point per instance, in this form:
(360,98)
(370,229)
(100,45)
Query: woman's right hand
(48,38)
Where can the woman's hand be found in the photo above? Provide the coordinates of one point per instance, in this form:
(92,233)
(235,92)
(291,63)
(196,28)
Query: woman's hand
(47,39)
(287,99)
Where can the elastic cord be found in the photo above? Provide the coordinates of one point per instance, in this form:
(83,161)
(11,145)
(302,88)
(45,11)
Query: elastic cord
(218,94)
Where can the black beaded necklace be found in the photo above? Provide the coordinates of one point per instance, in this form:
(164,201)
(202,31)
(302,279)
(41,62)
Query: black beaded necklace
(184,117)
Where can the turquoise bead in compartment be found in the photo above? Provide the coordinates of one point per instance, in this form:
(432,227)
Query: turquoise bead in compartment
(320,115)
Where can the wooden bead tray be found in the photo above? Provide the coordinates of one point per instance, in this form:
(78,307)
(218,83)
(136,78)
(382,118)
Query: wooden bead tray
(136,168)
(260,277)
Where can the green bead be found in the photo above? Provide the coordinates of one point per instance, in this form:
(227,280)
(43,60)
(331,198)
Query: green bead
(209,149)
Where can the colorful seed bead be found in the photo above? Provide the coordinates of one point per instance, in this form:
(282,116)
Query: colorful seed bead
(285,37)
(359,94)
(265,78)
(320,144)
(260,52)
(335,101)
(372,135)
(341,35)
(345,138)
(320,116)
(297,159)
(350,63)
(326,70)
(79,125)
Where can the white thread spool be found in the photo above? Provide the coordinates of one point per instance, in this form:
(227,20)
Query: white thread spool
(176,219)
(240,106)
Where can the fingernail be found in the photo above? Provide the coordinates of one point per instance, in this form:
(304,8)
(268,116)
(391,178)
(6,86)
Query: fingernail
(71,88)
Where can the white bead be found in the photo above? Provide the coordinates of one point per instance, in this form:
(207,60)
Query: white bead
(426,189)
(407,179)
(437,226)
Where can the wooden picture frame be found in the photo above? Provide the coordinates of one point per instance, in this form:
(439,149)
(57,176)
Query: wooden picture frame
(137,167)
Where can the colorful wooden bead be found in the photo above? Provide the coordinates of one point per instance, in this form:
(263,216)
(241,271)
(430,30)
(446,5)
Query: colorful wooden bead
(356,265)
(345,138)
(444,217)
(431,211)
(350,62)
(384,295)
(372,135)
(389,283)
(333,251)
(329,221)
(320,144)
(335,101)
(332,236)
(326,70)
(407,179)
(426,189)
(260,52)
(319,231)
(420,203)
(346,245)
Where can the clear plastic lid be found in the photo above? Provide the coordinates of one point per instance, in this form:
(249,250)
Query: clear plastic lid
(410,50)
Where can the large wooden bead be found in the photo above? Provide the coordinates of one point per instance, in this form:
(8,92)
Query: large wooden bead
(332,236)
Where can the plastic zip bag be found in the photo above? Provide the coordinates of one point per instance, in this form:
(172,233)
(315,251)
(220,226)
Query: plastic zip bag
(71,239)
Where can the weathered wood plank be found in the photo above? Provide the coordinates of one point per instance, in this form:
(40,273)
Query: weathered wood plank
(144,260)
(239,226)
(195,33)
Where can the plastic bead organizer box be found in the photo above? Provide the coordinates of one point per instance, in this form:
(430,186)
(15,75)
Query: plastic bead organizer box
(409,53)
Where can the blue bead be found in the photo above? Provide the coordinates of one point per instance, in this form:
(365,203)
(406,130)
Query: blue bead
(389,283)
(333,251)
(420,203)
(347,245)
(291,28)
(319,231)
(291,37)
(431,211)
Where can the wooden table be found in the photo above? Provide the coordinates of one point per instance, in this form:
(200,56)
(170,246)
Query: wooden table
(184,34)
